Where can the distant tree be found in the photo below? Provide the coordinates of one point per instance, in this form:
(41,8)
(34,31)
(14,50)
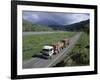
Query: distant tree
(86,29)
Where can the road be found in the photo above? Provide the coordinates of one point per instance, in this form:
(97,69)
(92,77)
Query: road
(38,62)
(45,32)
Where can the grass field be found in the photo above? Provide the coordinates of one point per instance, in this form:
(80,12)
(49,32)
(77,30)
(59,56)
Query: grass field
(32,44)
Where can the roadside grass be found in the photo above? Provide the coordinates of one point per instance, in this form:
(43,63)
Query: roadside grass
(79,56)
(80,53)
(32,44)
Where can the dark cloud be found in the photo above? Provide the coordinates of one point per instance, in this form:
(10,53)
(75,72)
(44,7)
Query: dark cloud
(54,18)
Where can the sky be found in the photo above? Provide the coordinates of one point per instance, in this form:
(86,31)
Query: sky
(54,18)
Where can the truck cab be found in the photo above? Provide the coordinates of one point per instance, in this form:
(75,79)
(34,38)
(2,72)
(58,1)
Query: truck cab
(47,51)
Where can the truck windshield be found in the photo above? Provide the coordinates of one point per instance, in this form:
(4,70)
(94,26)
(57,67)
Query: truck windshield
(46,50)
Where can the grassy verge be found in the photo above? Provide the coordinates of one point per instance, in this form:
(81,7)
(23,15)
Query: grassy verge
(32,44)
(80,53)
(79,56)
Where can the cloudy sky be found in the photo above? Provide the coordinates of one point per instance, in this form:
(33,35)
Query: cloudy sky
(54,18)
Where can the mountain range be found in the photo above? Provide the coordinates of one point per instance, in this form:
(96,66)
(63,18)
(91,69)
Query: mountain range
(29,26)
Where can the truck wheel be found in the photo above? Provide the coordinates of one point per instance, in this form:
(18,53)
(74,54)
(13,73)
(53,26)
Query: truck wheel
(50,57)
(58,51)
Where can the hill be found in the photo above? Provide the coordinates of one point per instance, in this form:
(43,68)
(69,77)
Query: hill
(80,26)
(28,26)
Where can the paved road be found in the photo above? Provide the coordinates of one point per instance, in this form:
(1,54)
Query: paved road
(33,33)
(38,62)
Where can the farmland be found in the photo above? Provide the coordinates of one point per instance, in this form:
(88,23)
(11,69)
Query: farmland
(32,44)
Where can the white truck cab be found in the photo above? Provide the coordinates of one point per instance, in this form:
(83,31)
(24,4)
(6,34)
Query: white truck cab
(47,51)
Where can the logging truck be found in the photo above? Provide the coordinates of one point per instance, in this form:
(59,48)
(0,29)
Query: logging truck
(49,50)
